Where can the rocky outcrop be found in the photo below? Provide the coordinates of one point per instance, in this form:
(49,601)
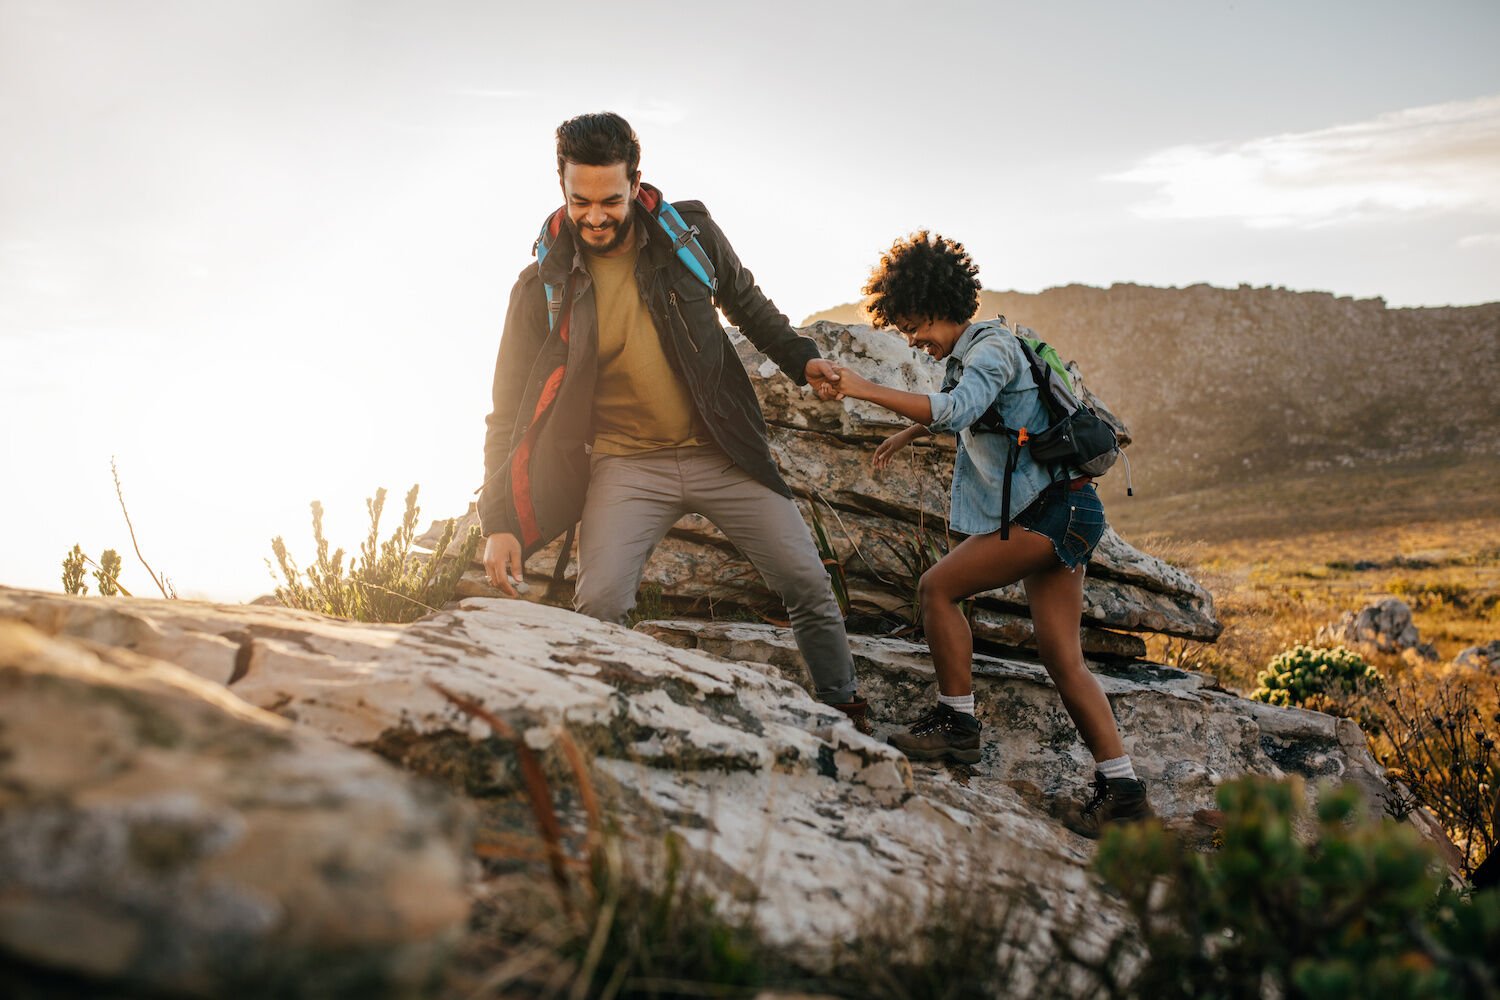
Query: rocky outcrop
(159,833)
(1385,626)
(883,526)
(1184,734)
(700,729)
(1484,657)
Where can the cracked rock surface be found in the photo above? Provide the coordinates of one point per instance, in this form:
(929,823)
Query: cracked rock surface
(697,728)
(158,832)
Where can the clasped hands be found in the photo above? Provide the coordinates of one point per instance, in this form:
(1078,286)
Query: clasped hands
(833,381)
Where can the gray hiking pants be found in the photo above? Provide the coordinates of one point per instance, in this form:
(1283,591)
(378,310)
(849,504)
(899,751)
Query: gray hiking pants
(634,499)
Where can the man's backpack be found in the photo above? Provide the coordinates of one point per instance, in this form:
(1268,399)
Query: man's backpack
(1075,436)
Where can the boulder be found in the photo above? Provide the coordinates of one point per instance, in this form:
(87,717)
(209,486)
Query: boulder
(1385,626)
(703,730)
(1484,658)
(157,833)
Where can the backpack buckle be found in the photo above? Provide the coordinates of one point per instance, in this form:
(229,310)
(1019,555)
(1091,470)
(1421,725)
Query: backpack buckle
(688,235)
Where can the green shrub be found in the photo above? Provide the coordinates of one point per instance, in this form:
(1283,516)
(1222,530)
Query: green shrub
(1313,677)
(108,573)
(388,582)
(1358,909)
(72,576)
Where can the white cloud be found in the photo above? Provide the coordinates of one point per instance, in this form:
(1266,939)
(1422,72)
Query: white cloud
(1443,157)
(1479,241)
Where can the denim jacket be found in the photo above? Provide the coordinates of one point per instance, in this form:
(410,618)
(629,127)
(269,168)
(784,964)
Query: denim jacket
(987,364)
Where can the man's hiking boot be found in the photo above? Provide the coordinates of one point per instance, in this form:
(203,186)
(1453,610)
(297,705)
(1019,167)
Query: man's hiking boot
(942,733)
(1116,800)
(858,711)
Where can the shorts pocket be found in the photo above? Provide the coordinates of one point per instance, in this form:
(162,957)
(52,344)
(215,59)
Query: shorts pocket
(1085,527)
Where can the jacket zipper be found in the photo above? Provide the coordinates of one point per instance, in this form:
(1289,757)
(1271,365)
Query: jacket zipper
(672,298)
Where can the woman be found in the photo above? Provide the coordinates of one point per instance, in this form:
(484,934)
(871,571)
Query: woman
(927,287)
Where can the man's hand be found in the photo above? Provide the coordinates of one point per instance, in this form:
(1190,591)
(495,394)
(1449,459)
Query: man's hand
(502,561)
(852,383)
(823,376)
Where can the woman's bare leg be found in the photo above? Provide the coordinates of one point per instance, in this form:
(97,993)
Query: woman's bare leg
(1055,596)
(977,564)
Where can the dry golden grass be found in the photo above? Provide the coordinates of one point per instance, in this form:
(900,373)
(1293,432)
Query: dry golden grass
(1440,553)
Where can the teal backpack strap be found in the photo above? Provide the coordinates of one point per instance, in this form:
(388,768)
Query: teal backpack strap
(683,236)
(543,244)
(688,249)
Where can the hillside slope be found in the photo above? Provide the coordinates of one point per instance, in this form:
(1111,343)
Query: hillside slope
(1219,384)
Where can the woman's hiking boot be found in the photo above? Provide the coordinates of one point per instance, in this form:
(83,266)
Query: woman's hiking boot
(1116,800)
(858,712)
(942,733)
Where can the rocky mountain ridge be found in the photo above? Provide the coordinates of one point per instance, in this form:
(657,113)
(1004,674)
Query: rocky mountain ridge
(1221,383)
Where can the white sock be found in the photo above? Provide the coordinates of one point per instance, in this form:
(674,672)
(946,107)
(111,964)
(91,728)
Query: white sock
(1115,767)
(959,703)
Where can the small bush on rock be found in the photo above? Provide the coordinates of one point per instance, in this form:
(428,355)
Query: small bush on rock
(73,566)
(1314,677)
(388,582)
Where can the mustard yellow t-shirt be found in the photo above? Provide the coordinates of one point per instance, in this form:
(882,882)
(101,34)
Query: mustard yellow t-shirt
(640,404)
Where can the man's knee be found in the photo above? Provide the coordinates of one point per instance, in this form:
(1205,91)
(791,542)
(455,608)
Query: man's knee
(606,603)
(806,585)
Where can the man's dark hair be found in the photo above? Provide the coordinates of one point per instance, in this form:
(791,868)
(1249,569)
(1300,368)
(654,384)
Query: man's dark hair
(922,276)
(598,140)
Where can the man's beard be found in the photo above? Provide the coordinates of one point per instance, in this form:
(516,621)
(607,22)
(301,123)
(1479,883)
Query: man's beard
(619,231)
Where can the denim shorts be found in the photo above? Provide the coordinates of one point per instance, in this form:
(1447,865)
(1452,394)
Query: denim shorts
(1072,519)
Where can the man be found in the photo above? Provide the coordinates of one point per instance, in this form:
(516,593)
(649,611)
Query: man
(620,403)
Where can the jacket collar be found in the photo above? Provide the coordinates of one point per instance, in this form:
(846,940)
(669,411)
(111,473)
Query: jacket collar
(973,335)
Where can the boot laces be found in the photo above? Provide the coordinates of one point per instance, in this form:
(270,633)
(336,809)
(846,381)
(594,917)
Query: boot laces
(1101,793)
(929,721)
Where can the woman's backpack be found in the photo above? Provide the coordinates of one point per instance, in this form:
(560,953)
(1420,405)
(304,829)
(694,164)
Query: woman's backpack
(1075,436)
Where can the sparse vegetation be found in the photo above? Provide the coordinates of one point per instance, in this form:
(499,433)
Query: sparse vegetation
(162,583)
(1435,732)
(829,555)
(108,573)
(1357,910)
(73,569)
(1274,594)
(107,569)
(388,582)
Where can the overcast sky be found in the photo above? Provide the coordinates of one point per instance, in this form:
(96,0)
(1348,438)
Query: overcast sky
(260,251)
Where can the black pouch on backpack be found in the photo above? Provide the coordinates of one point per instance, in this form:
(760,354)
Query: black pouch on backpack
(1081,441)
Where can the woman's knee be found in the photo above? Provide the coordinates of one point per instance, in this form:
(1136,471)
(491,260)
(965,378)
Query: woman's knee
(931,590)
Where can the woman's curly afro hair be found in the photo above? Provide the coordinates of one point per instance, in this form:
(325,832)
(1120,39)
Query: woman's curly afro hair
(922,276)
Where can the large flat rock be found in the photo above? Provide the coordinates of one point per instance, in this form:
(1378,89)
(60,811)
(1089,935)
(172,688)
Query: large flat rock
(703,730)
(158,833)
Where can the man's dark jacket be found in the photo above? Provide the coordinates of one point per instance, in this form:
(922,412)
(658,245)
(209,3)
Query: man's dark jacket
(535,448)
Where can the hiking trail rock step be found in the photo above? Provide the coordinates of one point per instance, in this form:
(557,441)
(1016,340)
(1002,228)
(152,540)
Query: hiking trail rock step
(158,751)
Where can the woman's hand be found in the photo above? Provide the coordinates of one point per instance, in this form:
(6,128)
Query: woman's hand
(852,383)
(887,449)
